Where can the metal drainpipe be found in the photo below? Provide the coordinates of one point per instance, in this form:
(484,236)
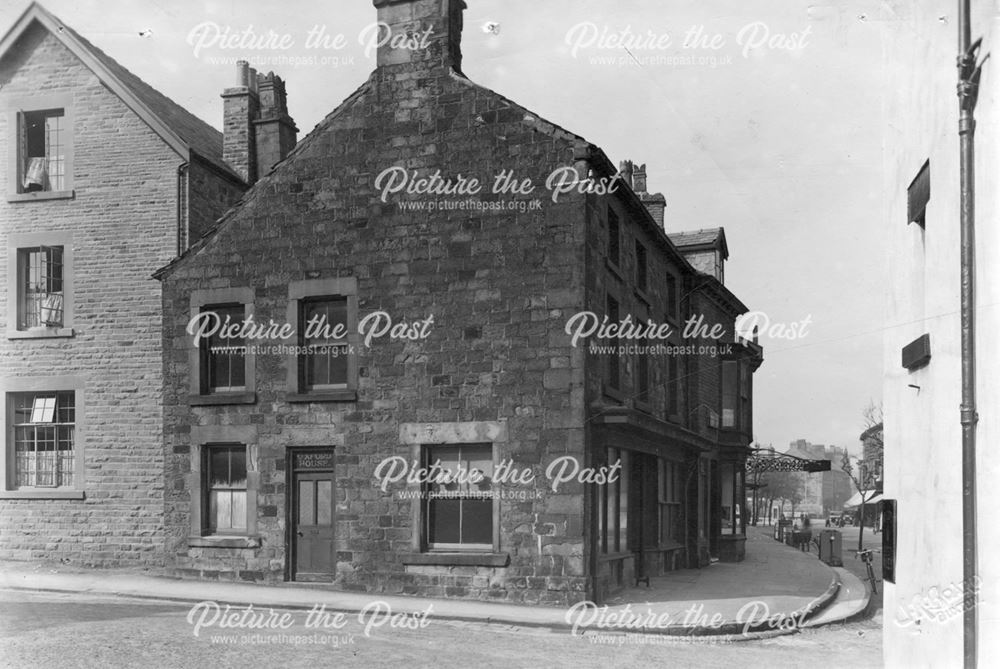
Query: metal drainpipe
(968,79)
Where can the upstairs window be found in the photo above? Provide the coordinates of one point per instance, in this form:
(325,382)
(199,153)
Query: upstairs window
(729,393)
(918,195)
(641,270)
(324,368)
(673,386)
(324,323)
(642,365)
(44,439)
(614,363)
(40,287)
(224,359)
(614,238)
(671,291)
(745,410)
(42,151)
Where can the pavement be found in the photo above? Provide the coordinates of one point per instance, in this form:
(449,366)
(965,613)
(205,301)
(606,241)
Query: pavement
(775,590)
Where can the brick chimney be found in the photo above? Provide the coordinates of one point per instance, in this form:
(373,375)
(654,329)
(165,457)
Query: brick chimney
(421,33)
(275,133)
(257,130)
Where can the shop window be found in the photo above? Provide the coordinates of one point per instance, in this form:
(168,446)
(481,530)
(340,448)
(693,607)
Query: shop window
(614,496)
(671,485)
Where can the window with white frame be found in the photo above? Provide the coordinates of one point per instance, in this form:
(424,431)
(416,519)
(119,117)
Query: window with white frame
(44,439)
(40,296)
(458,507)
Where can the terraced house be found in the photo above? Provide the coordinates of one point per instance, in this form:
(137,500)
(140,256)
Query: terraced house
(104,181)
(412,329)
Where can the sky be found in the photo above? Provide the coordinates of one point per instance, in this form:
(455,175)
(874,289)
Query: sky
(760,116)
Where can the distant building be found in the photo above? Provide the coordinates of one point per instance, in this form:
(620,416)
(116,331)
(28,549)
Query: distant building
(922,381)
(823,492)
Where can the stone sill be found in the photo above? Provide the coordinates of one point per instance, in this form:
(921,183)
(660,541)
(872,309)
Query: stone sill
(222,398)
(41,195)
(47,333)
(611,557)
(458,559)
(220,541)
(340,395)
(41,494)
(613,268)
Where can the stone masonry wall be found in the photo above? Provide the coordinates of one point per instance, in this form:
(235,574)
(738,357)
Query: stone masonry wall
(499,284)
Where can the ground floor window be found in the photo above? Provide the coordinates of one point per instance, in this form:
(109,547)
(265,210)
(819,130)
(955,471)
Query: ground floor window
(613,514)
(44,427)
(226,486)
(671,484)
(459,496)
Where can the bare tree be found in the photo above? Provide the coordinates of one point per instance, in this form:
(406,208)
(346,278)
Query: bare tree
(867,472)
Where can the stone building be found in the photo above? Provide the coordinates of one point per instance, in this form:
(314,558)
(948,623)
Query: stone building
(925,587)
(105,181)
(306,449)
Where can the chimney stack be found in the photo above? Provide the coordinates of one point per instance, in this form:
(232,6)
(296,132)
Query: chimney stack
(625,170)
(421,33)
(257,130)
(274,131)
(655,203)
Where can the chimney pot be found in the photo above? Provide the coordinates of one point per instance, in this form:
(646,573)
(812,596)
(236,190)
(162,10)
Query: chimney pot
(242,73)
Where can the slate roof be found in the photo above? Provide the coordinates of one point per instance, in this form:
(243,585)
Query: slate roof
(705,237)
